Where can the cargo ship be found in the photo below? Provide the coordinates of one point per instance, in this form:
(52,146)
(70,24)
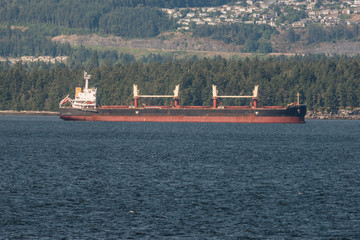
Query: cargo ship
(84,108)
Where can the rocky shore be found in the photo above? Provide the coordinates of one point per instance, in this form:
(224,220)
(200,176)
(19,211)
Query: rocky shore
(353,114)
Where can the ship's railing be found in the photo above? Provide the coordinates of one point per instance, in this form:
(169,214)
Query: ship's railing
(237,107)
(274,107)
(195,107)
(112,106)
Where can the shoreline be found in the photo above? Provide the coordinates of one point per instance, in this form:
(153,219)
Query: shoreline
(340,114)
(29,113)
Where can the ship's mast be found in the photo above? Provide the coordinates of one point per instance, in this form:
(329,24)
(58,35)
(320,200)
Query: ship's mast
(86,77)
(298,98)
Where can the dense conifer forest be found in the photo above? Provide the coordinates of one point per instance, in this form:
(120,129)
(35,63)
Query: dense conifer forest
(121,21)
(323,83)
(17,43)
(131,18)
(254,37)
(117,3)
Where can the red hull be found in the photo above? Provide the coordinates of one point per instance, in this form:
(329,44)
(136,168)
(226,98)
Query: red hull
(214,119)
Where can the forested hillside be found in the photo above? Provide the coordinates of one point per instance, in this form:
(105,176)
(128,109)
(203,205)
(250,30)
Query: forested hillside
(132,18)
(256,38)
(324,83)
(26,26)
(118,3)
(80,17)
(17,43)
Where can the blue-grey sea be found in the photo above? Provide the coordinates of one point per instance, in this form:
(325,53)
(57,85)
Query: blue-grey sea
(113,180)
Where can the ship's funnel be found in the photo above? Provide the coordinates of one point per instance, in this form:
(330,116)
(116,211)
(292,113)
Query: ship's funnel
(77,91)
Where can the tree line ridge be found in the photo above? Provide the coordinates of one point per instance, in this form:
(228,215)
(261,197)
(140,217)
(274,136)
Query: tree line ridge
(323,83)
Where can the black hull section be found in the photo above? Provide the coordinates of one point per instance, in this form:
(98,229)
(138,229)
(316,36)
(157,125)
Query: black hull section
(291,114)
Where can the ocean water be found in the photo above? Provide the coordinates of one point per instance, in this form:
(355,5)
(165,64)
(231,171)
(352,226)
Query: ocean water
(113,180)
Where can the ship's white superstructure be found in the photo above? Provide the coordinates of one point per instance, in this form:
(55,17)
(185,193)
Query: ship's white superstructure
(84,99)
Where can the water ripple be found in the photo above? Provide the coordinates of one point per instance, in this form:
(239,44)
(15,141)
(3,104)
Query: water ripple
(98,180)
